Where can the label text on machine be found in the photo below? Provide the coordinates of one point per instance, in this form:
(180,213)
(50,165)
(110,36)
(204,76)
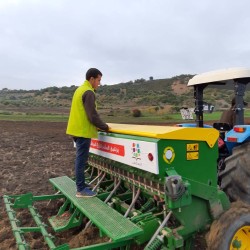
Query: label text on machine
(128,151)
(108,147)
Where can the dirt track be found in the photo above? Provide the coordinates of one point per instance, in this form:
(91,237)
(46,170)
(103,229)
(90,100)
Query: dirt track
(32,153)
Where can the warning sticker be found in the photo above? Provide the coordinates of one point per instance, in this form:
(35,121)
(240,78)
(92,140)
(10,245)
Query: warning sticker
(192,156)
(193,147)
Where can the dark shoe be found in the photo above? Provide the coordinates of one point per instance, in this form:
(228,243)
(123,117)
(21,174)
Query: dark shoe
(86,192)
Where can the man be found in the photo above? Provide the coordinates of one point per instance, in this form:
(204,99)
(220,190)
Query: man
(83,124)
(229,116)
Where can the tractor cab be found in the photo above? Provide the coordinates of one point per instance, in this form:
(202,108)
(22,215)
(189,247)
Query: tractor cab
(236,78)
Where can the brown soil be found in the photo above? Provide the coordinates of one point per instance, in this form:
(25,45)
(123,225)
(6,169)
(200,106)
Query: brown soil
(180,88)
(31,154)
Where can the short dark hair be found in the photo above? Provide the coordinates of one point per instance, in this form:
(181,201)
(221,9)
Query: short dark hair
(93,72)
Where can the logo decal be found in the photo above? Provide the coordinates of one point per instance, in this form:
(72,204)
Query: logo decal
(136,151)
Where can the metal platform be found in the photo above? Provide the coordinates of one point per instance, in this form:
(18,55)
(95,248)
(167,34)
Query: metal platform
(109,221)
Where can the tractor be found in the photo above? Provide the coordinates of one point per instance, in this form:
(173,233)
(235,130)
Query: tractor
(233,149)
(157,186)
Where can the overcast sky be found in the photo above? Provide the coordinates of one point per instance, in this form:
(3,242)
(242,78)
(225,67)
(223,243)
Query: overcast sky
(47,43)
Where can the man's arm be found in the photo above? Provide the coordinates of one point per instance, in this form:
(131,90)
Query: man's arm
(89,103)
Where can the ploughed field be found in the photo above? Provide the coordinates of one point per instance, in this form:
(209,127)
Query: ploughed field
(30,154)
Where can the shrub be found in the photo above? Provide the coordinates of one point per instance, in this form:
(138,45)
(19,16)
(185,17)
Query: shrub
(136,113)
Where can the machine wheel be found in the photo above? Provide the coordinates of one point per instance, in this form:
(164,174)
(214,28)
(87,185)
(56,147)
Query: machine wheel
(235,179)
(232,230)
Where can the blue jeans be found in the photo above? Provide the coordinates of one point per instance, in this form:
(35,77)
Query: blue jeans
(82,154)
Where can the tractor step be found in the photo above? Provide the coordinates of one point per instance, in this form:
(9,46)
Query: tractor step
(64,222)
(108,220)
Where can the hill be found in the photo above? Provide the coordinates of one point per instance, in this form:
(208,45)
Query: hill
(149,96)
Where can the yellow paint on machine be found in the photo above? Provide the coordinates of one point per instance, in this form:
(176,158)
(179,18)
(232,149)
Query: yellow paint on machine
(192,156)
(209,135)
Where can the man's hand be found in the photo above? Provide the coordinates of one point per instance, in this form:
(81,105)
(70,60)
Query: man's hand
(106,130)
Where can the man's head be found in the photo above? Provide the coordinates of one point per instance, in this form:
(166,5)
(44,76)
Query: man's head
(94,76)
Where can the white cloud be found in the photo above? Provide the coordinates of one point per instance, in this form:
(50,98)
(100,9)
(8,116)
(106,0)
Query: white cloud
(45,43)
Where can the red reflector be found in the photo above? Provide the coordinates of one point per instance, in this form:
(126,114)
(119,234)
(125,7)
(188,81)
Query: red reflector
(221,143)
(239,129)
(150,157)
(232,139)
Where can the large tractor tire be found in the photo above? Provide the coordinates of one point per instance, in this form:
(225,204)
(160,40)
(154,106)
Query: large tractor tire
(232,230)
(235,179)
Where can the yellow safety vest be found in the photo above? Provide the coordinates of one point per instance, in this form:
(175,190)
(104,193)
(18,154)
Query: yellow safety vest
(78,123)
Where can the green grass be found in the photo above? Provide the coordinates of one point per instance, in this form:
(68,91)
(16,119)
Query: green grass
(146,118)
(157,119)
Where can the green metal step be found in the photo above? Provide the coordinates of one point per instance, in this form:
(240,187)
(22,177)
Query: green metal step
(108,220)
(62,223)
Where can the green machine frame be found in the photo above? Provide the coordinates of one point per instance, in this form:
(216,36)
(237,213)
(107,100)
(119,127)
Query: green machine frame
(162,210)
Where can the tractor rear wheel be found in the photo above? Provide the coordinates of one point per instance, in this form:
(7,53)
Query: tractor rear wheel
(231,230)
(235,179)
